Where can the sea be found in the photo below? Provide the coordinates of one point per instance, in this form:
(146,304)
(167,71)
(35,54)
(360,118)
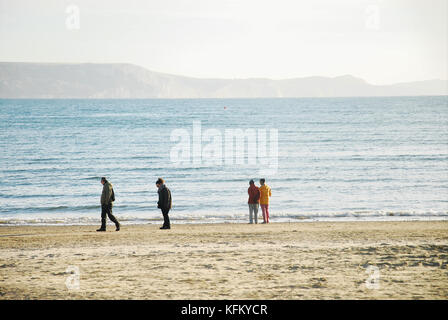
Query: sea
(325,159)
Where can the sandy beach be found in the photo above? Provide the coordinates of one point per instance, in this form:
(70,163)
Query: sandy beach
(319,260)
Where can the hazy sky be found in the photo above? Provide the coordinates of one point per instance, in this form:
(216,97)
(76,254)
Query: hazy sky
(380,41)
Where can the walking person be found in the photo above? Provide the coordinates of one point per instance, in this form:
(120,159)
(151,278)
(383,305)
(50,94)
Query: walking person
(107,199)
(164,202)
(254,200)
(265,193)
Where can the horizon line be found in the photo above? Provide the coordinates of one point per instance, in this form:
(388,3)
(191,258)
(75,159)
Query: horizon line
(217,78)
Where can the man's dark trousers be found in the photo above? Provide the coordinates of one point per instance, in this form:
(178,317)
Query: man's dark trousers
(166,219)
(106,209)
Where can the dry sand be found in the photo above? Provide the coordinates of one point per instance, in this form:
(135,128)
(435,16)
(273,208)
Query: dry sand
(227,261)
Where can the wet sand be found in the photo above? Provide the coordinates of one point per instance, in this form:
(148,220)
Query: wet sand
(319,260)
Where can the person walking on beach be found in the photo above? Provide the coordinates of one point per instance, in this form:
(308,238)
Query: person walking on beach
(254,200)
(107,199)
(164,202)
(265,193)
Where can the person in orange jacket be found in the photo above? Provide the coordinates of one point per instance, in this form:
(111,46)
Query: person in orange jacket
(265,193)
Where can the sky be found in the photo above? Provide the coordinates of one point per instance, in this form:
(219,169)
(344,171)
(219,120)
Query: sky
(381,41)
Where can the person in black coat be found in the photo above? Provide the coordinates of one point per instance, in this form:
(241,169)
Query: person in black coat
(164,202)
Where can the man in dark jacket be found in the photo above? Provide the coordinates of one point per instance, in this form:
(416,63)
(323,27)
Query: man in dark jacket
(107,199)
(254,201)
(164,202)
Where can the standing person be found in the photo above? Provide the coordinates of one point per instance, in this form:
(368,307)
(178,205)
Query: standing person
(265,193)
(107,199)
(164,202)
(254,200)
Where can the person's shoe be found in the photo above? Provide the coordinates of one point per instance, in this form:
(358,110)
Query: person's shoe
(118,227)
(164,228)
(101,229)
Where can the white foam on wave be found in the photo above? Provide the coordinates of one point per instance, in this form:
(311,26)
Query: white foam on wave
(214,217)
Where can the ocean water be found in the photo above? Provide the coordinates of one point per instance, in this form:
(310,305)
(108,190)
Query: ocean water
(337,159)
